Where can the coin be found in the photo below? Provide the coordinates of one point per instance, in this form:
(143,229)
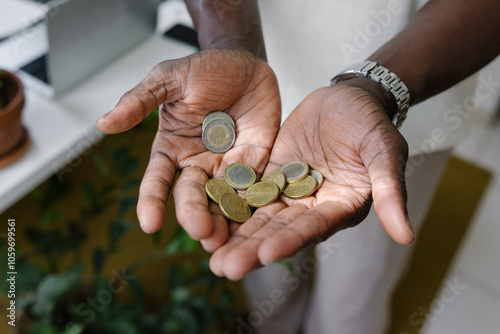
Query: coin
(215,188)
(318,177)
(275,177)
(217,115)
(218,136)
(301,189)
(262,194)
(239,175)
(294,171)
(234,208)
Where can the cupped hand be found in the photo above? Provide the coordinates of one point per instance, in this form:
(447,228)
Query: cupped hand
(187,90)
(343,132)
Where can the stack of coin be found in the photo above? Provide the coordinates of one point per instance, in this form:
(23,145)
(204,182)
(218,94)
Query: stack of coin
(217,132)
(294,179)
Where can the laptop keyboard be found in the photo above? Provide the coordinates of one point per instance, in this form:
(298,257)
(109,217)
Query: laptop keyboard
(38,68)
(184,34)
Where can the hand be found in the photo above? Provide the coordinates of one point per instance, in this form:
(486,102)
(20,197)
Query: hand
(187,90)
(343,132)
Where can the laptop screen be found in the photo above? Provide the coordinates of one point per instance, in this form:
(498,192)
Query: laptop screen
(85,35)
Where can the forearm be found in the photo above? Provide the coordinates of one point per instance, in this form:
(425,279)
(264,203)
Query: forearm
(447,41)
(228,24)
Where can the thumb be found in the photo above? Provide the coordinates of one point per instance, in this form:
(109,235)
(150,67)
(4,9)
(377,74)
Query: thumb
(385,157)
(162,85)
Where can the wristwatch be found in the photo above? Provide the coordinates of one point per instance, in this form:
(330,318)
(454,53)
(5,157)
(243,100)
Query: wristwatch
(398,92)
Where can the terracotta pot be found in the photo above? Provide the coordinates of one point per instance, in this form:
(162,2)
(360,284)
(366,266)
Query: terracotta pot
(14,138)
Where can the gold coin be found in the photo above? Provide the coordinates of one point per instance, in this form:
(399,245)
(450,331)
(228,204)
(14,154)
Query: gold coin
(239,175)
(276,177)
(295,171)
(301,189)
(318,177)
(262,194)
(215,188)
(234,208)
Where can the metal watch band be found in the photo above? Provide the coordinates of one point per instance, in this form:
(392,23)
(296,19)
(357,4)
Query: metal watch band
(390,81)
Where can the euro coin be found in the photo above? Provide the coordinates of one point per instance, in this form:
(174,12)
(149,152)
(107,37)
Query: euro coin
(217,115)
(234,208)
(301,189)
(276,177)
(218,136)
(239,176)
(318,177)
(215,188)
(261,194)
(295,171)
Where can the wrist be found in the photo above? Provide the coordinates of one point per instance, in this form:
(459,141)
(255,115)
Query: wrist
(223,25)
(375,89)
(396,92)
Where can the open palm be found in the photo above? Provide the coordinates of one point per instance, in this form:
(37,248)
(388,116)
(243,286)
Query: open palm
(187,90)
(344,133)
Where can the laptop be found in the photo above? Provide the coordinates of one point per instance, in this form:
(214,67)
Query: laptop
(84,36)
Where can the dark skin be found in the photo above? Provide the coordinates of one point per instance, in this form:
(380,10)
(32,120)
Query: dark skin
(343,131)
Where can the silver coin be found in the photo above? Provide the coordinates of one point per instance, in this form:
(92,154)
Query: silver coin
(218,136)
(295,171)
(239,175)
(217,115)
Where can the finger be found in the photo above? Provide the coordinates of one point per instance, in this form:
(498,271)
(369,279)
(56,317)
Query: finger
(191,203)
(245,231)
(387,175)
(154,190)
(161,85)
(313,226)
(244,258)
(220,231)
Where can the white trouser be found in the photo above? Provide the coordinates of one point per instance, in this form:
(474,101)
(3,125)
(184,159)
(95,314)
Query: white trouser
(350,289)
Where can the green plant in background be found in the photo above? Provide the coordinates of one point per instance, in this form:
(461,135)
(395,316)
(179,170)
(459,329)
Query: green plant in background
(68,301)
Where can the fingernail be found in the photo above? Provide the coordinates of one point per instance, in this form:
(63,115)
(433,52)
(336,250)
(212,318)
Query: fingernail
(145,230)
(410,228)
(106,114)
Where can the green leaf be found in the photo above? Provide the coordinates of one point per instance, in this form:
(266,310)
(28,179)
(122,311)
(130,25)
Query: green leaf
(171,325)
(122,327)
(44,241)
(100,164)
(75,236)
(132,184)
(43,328)
(55,191)
(75,328)
(181,242)
(52,287)
(174,277)
(98,259)
(88,190)
(50,217)
(116,230)
(136,287)
(126,203)
(287,264)
(28,277)
(180,294)
(190,323)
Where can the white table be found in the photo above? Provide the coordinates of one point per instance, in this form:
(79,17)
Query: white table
(64,127)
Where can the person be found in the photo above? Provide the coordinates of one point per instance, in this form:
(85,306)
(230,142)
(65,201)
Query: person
(343,130)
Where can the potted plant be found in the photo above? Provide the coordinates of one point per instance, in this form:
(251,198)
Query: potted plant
(14,137)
